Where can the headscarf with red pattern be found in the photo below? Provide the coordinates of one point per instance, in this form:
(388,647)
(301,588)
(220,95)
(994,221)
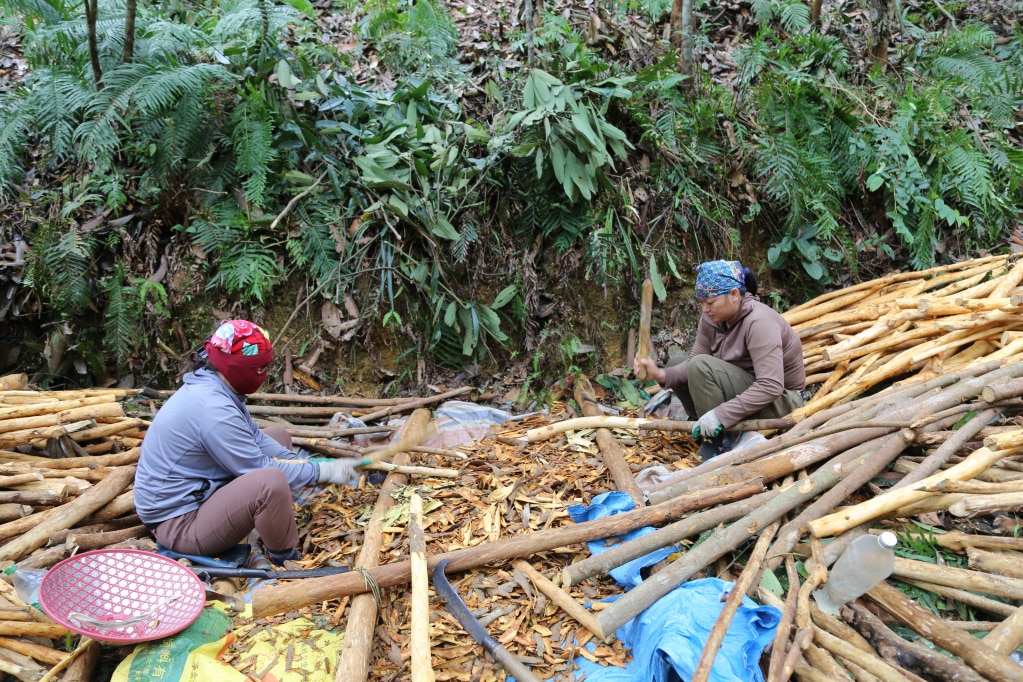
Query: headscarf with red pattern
(241,351)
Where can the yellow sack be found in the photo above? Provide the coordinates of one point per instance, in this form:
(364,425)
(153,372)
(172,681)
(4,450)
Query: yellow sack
(292,652)
(289,652)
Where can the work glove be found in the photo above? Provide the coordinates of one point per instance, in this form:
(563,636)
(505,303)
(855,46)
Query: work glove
(337,471)
(708,426)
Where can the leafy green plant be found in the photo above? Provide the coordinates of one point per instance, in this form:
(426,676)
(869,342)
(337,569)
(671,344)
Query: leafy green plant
(565,130)
(245,261)
(414,38)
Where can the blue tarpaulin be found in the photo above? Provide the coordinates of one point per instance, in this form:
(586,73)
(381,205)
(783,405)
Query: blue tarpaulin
(668,638)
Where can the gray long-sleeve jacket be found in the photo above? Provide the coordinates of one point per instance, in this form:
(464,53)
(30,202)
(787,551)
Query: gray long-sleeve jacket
(202,438)
(760,342)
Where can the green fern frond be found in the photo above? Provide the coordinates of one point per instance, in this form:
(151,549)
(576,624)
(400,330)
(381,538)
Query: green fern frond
(249,268)
(60,263)
(121,317)
(16,123)
(750,61)
(439,31)
(50,11)
(823,50)
(218,235)
(242,22)
(315,249)
(466,238)
(764,11)
(58,100)
(252,139)
(971,174)
(795,15)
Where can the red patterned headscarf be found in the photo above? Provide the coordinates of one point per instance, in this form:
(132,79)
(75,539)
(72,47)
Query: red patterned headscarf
(241,351)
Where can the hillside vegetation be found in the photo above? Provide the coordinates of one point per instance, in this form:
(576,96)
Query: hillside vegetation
(476,184)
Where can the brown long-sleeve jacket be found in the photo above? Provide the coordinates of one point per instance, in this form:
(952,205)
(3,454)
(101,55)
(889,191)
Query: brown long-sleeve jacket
(760,342)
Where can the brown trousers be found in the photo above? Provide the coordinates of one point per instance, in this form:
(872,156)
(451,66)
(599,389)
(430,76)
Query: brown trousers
(260,499)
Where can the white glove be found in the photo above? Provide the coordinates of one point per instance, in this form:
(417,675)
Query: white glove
(336,471)
(709,426)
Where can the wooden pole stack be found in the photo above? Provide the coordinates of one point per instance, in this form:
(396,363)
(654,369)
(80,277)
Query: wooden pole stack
(919,381)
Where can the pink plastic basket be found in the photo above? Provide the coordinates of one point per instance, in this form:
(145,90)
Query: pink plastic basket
(122,596)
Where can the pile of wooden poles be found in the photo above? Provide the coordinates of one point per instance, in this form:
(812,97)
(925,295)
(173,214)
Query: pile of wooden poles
(920,324)
(914,428)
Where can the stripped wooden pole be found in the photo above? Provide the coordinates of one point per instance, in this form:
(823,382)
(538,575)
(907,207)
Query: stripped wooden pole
(422,667)
(610,450)
(750,575)
(354,662)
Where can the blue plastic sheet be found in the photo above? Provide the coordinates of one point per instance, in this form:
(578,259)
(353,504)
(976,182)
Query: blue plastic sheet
(668,638)
(608,504)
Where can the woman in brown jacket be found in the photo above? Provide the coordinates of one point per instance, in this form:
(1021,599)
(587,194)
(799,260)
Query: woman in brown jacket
(747,361)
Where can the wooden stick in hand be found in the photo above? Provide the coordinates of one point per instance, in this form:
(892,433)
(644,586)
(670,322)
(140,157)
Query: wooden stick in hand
(418,428)
(645,306)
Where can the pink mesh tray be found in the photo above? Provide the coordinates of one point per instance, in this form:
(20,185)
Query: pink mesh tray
(122,595)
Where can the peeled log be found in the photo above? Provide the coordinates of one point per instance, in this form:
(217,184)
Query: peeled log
(610,451)
(301,593)
(975,505)
(69,514)
(982,658)
(354,662)
(1003,563)
(839,522)
(973,581)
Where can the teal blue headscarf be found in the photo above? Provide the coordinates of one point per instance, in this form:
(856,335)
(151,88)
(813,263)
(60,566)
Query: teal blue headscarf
(718,277)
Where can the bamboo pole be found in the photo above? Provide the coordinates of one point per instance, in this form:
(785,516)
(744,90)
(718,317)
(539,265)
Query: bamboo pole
(422,667)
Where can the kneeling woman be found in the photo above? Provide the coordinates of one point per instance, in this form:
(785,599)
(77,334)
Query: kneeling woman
(207,474)
(747,361)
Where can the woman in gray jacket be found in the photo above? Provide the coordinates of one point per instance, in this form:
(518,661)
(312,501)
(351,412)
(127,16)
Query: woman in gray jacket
(747,361)
(207,474)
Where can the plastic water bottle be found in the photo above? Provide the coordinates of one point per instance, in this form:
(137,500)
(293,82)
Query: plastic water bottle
(867,560)
(26,583)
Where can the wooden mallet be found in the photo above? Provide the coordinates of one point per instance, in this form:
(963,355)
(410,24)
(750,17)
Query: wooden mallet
(645,305)
(418,428)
